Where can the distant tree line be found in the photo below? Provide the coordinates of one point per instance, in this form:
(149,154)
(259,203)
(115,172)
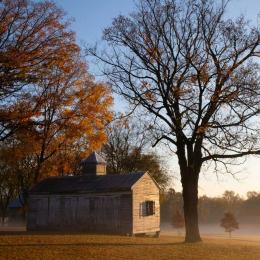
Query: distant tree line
(211,210)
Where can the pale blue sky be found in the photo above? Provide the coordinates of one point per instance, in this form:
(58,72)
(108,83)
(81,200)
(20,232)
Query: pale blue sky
(92,16)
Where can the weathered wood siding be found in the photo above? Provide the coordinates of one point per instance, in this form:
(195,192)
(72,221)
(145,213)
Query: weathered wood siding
(111,213)
(145,190)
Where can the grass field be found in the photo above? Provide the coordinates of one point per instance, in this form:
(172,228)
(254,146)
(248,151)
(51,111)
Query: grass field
(80,246)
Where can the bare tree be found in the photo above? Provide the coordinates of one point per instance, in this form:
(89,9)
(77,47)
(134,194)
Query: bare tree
(127,150)
(124,136)
(196,72)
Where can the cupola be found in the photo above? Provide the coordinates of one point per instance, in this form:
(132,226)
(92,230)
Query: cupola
(94,164)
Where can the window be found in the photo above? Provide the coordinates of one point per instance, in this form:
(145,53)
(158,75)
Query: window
(147,208)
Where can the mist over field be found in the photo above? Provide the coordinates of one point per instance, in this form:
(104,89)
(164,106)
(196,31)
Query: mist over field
(245,230)
(248,232)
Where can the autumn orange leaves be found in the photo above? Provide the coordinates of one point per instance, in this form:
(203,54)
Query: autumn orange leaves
(52,112)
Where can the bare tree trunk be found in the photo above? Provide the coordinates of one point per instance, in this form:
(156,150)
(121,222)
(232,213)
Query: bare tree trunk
(190,200)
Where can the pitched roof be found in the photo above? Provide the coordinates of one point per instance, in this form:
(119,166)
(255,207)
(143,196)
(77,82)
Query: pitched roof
(88,184)
(94,158)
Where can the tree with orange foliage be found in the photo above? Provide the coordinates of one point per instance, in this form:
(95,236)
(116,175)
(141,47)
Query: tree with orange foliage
(34,36)
(52,112)
(71,121)
(16,162)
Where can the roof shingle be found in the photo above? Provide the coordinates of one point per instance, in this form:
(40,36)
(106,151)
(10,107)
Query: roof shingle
(88,184)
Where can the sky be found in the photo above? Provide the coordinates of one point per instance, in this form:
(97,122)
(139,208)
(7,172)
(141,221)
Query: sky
(90,17)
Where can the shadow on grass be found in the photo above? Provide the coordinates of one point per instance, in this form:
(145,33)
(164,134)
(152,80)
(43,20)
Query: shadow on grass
(91,244)
(87,244)
(70,233)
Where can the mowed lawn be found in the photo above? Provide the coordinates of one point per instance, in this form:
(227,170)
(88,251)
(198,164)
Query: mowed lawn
(81,246)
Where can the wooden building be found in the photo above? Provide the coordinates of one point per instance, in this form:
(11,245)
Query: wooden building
(96,202)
